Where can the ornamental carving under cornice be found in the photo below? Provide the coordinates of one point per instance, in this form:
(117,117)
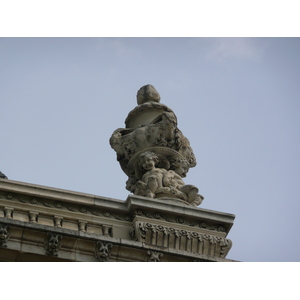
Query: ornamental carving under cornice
(102,251)
(180,220)
(52,243)
(169,237)
(4,234)
(154,256)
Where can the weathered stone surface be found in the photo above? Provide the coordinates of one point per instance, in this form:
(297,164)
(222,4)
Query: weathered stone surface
(154,256)
(4,234)
(102,251)
(158,223)
(52,243)
(133,227)
(154,153)
(147,93)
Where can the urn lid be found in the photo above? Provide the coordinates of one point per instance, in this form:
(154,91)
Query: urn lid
(149,107)
(147,93)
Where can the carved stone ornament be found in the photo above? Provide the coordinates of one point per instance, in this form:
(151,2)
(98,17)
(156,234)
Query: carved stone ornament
(60,206)
(154,256)
(4,234)
(154,153)
(180,239)
(33,216)
(58,221)
(52,243)
(102,251)
(8,211)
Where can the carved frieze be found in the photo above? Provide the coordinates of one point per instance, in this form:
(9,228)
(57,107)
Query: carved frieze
(170,237)
(60,206)
(180,220)
(64,206)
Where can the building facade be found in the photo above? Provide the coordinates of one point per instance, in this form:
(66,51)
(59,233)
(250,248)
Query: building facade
(39,223)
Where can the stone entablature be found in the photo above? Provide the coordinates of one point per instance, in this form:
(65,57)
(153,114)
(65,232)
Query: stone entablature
(48,224)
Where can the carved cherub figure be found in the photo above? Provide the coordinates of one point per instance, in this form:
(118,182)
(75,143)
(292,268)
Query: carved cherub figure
(153,177)
(181,167)
(159,180)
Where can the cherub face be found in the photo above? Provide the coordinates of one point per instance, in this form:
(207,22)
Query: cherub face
(148,163)
(182,170)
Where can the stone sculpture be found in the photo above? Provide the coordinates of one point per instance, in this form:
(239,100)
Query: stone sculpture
(102,251)
(4,234)
(52,243)
(154,153)
(154,256)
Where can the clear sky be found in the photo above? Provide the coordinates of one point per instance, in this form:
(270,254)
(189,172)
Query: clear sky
(237,100)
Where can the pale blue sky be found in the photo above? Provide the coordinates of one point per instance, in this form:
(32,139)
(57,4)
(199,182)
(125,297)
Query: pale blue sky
(236,99)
